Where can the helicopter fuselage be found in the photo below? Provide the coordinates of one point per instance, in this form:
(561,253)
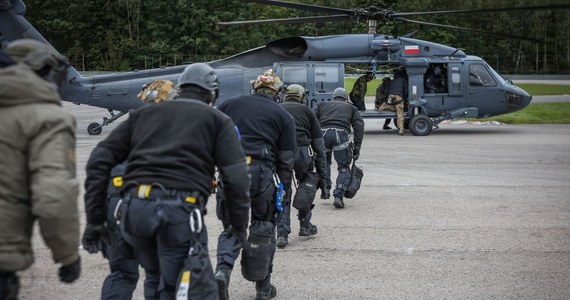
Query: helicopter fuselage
(471,88)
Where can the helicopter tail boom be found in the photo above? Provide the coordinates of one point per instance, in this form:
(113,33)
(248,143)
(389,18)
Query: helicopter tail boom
(14,26)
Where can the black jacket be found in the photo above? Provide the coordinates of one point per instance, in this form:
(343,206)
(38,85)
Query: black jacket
(267,131)
(177,144)
(341,115)
(308,131)
(398,86)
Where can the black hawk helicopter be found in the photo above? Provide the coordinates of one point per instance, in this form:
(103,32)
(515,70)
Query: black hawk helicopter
(473,88)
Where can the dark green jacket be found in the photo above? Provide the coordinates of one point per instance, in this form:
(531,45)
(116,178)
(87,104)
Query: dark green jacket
(360,87)
(37,170)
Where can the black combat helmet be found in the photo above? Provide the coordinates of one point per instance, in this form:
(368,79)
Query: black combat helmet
(340,93)
(40,57)
(200,75)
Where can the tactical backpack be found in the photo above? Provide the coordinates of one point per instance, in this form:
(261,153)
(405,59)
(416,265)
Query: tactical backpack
(355,181)
(306,191)
(256,254)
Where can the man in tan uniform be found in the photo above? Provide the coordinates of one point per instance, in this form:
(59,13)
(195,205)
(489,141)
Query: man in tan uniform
(37,165)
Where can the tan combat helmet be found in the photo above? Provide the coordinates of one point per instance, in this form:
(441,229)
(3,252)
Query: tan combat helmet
(297,92)
(158,91)
(267,83)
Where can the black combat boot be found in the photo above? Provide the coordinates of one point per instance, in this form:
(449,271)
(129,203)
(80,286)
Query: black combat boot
(264,289)
(307,229)
(281,238)
(338,203)
(222,275)
(325,194)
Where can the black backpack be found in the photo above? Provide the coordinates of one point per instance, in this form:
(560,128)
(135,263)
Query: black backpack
(355,181)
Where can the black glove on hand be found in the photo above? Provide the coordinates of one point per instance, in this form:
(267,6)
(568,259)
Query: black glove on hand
(94,238)
(356,153)
(323,184)
(70,273)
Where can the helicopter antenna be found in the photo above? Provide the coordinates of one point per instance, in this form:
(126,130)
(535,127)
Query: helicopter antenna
(372,26)
(456,50)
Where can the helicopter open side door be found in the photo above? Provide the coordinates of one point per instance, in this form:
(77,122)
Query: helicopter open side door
(319,79)
(445,93)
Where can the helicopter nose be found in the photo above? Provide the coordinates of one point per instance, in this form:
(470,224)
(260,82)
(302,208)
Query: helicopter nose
(517,100)
(526,100)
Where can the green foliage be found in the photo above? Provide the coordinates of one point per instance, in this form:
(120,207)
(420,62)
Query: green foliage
(115,35)
(543,113)
(545,89)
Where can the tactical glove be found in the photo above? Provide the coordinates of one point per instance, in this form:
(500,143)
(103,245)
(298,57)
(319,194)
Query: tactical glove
(95,237)
(323,184)
(356,153)
(70,273)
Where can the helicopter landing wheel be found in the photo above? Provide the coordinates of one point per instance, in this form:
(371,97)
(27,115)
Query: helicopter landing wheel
(420,125)
(94,128)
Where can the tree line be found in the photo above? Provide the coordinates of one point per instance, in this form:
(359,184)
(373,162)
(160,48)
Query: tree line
(122,35)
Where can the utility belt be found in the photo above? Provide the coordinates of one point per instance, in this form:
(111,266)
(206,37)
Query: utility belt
(156,191)
(255,160)
(309,150)
(394,100)
(339,146)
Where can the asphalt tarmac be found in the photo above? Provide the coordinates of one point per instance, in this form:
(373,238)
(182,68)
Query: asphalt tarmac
(468,212)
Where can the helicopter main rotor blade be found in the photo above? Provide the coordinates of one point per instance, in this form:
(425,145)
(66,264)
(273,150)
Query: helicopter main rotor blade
(307,7)
(425,13)
(469,29)
(317,19)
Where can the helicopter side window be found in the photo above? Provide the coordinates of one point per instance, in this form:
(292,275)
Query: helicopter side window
(435,79)
(455,78)
(479,76)
(295,75)
(326,79)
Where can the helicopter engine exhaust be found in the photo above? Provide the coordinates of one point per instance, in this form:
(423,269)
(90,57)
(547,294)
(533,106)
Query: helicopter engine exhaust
(288,47)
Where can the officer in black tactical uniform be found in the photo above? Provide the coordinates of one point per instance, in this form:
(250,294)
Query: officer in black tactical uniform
(337,117)
(122,281)
(310,151)
(397,94)
(171,150)
(382,97)
(268,139)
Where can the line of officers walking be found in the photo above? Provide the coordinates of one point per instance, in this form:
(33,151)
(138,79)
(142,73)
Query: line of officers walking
(148,183)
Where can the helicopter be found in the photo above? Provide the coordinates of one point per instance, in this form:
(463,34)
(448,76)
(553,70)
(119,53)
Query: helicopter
(472,89)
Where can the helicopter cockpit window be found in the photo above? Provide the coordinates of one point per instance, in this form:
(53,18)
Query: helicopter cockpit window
(295,75)
(326,79)
(480,76)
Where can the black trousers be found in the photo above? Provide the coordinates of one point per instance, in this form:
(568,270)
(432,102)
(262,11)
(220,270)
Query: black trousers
(124,276)
(336,144)
(262,193)
(159,231)
(304,162)
(9,286)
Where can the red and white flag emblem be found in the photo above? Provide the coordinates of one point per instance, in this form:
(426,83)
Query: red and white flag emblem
(412,49)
